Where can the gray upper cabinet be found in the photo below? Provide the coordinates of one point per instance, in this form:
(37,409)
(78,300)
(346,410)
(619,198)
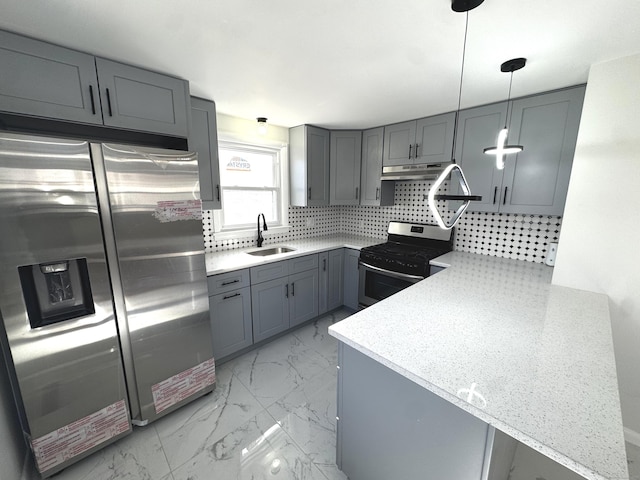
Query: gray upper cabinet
(203,138)
(139,99)
(309,166)
(45,80)
(399,140)
(345,157)
(427,140)
(374,191)
(534,181)
(477,129)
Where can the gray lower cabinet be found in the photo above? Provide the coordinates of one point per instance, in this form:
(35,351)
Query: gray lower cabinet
(309,166)
(390,427)
(534,181)
(45,80)
(203,138)
(345,157)
(331,272)
(283,294)
(230,312)
(351,278)
(231,325)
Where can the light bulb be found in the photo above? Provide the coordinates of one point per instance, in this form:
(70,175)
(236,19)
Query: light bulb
(262,125)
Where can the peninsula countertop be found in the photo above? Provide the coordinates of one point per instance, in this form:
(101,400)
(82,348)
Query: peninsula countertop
(538,357)
(230,260)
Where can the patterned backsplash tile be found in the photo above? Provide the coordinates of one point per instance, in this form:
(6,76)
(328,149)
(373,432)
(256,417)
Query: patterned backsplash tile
(523,237)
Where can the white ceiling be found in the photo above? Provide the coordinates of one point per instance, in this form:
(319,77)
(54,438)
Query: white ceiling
(341,63)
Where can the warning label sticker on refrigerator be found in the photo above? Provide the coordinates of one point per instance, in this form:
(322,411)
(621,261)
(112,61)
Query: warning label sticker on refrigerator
(66,442)
(183,385)
(176,210)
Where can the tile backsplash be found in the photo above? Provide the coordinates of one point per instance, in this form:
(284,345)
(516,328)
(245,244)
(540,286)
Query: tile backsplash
(523,237)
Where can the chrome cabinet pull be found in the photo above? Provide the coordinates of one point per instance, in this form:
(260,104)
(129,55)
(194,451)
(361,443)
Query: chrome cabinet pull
(230,283)
(293,289)
(286,290)
(416,151)
(231,296)
(504,199)
(218,190)
(410,147)
(495,193)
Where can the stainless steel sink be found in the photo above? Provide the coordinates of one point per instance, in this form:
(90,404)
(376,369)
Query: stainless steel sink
(263,252)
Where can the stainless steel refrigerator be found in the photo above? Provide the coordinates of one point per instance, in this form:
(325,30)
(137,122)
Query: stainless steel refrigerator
(103,290)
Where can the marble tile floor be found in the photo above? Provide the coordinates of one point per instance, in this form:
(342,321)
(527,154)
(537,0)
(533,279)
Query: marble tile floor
(272,416)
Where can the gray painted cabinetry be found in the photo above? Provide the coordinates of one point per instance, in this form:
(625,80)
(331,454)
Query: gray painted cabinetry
(345,158)
(331,268)
(309,166)
(283,294)
(44,80)
(427,140)
(391,428)
(374,191)
(351,278)
(534,181)
(203,138)
(230,312)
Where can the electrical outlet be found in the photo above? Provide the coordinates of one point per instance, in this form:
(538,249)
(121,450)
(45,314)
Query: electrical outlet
(310,221)
(361,224)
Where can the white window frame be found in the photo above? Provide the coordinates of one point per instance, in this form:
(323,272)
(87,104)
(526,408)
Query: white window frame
(245,231)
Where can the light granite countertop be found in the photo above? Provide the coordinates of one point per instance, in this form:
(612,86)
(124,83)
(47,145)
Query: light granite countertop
(230,260)
(538,357)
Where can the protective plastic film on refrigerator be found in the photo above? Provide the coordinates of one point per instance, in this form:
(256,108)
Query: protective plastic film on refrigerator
(103,292)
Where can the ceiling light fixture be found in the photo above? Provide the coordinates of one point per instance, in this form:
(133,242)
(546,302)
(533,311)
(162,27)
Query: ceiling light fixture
(262,125)
(456,6)
(501,149)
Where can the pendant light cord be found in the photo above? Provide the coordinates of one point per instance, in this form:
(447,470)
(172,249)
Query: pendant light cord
(455,123)
(506,118)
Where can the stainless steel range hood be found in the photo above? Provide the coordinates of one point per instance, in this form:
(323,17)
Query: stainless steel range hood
(422,171)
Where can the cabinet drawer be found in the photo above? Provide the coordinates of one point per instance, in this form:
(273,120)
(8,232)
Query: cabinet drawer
(270,271)
(302,264)
(225,282)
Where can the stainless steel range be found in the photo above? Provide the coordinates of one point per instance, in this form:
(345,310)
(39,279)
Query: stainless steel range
(403,260)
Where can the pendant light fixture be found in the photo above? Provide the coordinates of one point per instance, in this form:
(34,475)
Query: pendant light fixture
(262,125)
(502,148)
(466,198)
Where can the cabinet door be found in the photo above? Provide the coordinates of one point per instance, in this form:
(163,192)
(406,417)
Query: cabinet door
(335,279)
(139,99)
(351,278)
(318,141)
(323,282)
(434,139)
(203,138)
(345,157)
(231,327)
(303,297)
(477,129)
(373,190)
(397,140)
(536,180)
(270,308)
(45,80)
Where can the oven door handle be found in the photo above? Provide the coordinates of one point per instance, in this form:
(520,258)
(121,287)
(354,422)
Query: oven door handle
(392,273)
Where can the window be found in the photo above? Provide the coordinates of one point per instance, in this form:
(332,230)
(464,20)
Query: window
(252,181)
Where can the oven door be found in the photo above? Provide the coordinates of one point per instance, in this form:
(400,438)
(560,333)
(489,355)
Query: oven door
(377,283)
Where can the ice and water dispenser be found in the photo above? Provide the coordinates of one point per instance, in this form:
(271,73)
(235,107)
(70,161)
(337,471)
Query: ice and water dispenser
(56,291)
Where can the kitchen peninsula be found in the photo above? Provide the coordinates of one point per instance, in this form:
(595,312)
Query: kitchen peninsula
(492,343)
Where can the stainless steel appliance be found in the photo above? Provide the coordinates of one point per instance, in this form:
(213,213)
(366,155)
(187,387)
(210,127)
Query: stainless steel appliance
(403,260)
(103,291)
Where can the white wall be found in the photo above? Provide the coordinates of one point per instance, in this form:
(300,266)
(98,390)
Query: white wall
(599,247)
(236,128)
